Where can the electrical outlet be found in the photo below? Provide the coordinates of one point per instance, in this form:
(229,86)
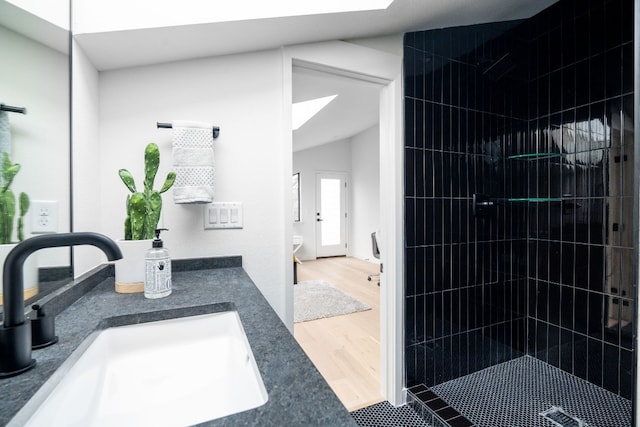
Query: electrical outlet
(44,216)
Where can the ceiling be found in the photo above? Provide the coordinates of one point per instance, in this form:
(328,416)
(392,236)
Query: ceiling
(128,48)
(356,100)
(354,110)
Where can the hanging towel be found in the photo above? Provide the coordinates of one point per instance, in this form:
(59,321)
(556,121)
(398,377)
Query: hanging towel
(5,138)
(193,162)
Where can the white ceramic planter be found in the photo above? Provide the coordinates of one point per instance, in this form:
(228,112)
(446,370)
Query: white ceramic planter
(30,271)
(130,269)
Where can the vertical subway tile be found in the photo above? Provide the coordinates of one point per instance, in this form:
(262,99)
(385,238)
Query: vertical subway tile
(481,293)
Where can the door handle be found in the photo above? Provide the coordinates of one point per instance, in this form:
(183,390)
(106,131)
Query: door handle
(318,217)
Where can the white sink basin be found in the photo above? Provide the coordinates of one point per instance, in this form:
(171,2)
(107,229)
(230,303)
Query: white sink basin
(173,372)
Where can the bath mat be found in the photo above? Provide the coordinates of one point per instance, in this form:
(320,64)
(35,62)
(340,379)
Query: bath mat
(317,299)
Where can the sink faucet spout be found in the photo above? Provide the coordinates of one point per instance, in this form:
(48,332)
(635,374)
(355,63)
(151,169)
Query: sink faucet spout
(15,333)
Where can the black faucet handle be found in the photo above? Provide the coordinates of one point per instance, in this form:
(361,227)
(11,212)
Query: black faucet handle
(43,329)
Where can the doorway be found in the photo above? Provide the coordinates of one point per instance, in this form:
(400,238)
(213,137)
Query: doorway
(339,175)
(331,214)
(384,68)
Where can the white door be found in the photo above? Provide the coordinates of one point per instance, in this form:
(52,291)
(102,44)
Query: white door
(331,214)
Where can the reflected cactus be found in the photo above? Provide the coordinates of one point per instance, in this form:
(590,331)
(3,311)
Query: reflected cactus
(8,202)
(143,208)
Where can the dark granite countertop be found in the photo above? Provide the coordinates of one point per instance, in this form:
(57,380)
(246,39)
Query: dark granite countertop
(298,395)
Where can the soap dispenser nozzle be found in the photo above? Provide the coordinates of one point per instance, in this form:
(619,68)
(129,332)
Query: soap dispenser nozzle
(157,242)
(158,230)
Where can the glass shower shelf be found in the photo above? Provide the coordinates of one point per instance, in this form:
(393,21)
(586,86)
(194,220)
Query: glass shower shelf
(535,156)
(534,199)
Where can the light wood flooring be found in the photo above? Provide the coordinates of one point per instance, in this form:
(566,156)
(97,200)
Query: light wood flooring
(346,349)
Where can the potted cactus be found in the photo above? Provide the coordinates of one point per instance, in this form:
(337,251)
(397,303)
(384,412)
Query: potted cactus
(8,202)
(7,216)
(143,214)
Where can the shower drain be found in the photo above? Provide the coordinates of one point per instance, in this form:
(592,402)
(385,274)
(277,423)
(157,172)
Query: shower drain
(560,418)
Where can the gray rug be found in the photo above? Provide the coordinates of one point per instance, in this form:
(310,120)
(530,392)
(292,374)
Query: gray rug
(317,299)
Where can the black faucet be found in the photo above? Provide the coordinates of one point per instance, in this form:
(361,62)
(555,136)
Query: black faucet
(15,334)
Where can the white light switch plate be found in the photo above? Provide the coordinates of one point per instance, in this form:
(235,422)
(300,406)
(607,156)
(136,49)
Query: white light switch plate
(219,215)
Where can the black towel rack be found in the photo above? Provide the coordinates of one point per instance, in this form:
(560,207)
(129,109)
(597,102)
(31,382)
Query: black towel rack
(215,129)
(12,109)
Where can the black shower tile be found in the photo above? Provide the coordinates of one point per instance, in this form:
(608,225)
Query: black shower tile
(410,320)
(429,311)
(566,350)
(409,167)
(582,83)
(597,267)
(626,22)
(541,341)
(614,71)
(612,320)
(460,421)
(419,321)
(582,36)
(566,309)
(598,75)
(613,20)
(553,346)
(580,356)
(419,124)
(627,68)
(597,29)
(580,311)
(410,265)
(447,413)
(554,303)
(595,362)
(626,373)
(409,206)
(596,315)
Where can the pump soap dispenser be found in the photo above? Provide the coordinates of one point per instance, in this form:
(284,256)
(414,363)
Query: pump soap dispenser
(157,278)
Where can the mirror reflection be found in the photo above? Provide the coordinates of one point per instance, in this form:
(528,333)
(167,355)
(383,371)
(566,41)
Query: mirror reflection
(35,136)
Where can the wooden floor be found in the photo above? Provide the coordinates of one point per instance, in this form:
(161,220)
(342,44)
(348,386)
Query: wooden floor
(346,349)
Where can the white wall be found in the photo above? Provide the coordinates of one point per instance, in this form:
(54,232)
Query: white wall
(332,157)
(365,192)
(243,95)
(36,77)
(87,166)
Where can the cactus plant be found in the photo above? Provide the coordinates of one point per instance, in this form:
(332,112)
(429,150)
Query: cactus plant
(144,207)
(8,202)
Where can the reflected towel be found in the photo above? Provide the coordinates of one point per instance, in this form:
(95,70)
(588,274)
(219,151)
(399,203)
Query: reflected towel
(193,162)
(5,137)
(5,133)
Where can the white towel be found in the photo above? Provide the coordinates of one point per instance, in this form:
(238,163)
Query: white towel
(5,138)
(193,162)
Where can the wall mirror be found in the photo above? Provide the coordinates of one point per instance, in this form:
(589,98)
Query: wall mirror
(35,128)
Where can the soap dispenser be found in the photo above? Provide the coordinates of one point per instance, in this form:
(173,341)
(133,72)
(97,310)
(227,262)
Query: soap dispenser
(157,278)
